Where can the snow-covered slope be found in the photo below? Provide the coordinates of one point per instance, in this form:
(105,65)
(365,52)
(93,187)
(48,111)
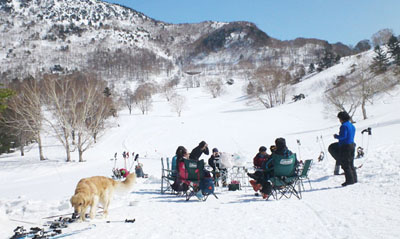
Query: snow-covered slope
(31,190)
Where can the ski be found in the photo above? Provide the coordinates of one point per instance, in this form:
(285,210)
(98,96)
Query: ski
(41,233)
(74,232)
(358,167)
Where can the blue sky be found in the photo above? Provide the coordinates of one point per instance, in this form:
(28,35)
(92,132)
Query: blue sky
(347,21)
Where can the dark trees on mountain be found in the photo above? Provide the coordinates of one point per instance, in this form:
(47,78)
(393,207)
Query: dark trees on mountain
(311,68)
(394,49)
(362,46)
(380,61)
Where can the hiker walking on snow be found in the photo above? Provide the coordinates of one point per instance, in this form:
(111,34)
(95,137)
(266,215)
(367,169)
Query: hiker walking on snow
(199,150)
(343,151)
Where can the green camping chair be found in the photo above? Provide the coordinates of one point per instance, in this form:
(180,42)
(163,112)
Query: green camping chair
(304,173)
(284,179)
(195,173)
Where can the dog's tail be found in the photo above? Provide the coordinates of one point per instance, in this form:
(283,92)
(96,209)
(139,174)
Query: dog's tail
(127,184)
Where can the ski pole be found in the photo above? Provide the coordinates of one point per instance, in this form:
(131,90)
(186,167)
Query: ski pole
(31,223)
(323,144)
(124,221)
(298,146)
(57,216)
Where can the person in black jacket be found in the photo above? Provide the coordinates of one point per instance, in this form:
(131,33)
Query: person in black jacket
(213,161)
(199,150)
(218,170)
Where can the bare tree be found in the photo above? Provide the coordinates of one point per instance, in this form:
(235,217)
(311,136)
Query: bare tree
(341,99)
(24,112)
(269,86)
(129,99)
(57,90)
(214,87)
(189,83)
(357,90)
(78,106)
(381,37)
(89,109)
(366,86)
(142,95)
(168,90)
(178,103)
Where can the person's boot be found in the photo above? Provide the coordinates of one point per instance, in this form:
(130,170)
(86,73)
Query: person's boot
(255,185)
(199,195)
(349,177)
(336,171)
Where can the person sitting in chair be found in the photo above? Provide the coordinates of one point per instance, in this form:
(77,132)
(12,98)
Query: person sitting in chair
(180,184)
(174,163)
(258,161)
(281,150)
(218,170)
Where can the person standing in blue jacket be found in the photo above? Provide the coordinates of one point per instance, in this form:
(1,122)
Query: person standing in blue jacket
(343,151)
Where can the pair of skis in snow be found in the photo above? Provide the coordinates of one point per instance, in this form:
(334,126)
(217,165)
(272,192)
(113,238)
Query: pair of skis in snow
(41,233)
(55,228)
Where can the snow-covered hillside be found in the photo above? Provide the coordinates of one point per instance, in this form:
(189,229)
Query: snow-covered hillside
(64,35)
(31,190)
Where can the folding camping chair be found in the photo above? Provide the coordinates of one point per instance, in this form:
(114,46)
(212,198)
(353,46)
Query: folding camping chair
(168,177)
(195,175)
(284,179)
(304,173)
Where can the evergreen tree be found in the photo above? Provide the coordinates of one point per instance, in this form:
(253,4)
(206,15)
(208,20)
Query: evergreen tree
(4,95)
(6,139)
(328,60)
(394,49)
(380,61)
(311,68)
(107,92)
(337,59)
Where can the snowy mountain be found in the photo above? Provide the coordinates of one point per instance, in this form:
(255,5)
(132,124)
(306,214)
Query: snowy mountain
(123,44)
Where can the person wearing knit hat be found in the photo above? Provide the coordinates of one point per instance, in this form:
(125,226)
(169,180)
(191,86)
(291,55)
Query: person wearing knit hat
(218,171)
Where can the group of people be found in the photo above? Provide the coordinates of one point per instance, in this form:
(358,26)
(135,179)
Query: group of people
(179,171)
(343,152)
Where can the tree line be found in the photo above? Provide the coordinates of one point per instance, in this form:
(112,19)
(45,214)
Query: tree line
(72,107)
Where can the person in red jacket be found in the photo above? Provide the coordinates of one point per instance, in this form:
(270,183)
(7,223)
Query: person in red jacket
(258,162)
(260,157)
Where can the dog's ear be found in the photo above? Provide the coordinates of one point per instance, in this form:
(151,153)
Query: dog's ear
(72,200)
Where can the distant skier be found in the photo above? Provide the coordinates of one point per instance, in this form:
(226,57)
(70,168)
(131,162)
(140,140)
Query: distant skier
(343,151)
